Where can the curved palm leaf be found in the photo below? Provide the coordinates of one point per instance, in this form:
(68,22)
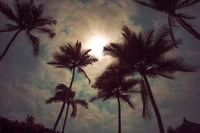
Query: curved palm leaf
(27,17)
(172,8)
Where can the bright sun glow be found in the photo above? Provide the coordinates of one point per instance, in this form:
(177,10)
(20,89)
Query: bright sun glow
(96,44)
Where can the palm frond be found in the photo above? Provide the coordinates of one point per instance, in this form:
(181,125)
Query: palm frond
(19,11)
(95,98)
(7,12)
(126,98)
(62,92)
(167,67)
(61,87)
(184,16)
(44,21)
(146,112)
(37,10)
(74,110)
(149,37)
(50,100)
(46,31)
(162,33)
(80,70)
(128,34)
(113,49)
(8,28)
(187,3)
(34,42)
(84,53)
(129,84)
(81,102)
(78,47)
(189,28)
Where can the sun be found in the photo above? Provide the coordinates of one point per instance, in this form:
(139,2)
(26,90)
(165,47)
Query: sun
(96,45)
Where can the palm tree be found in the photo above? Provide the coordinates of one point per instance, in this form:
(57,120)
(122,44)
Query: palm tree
(172,9)
(30,119)
(146,55)
(72,58)
(62,93)
(28,18)
(111,84)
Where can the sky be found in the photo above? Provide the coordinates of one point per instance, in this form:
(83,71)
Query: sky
(27,81)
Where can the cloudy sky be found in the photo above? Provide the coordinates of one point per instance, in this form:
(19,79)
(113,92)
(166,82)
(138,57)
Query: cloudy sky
(26,82)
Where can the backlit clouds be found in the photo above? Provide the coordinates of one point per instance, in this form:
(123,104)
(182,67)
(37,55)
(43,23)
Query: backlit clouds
(26,82)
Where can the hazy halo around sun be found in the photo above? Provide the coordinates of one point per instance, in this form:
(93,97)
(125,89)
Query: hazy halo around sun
(96,44)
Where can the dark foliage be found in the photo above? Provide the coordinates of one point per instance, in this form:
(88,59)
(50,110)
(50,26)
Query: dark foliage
(173,8)
(29,18)
(9,126)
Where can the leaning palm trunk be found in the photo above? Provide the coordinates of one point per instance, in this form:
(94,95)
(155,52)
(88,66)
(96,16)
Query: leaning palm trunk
(59,116)
(119,115)
(9,44)
(63,105)
(153,102)
(63,129)
(188,28)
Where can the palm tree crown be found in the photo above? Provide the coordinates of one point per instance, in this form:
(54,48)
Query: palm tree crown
(62,93)
(72,56)
(146,55)
(28,18)
(112,84)
(172,8)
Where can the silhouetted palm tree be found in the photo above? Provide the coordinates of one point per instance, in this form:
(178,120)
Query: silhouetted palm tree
(28,18)
(72,58)
(62,93)
(146,54)
(112,84)
(172,8)
(30,119)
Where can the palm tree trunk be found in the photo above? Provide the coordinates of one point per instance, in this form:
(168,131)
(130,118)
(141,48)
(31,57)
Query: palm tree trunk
(188,28)
(59,116)
(9,44)
(171,31)
(63,105)
(63,129)
(72,80)
(119,115)
(159,120)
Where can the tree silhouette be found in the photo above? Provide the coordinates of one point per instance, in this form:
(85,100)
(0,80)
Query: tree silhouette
(146,55)
(171,130)
(62,93)
(30,119)
(172,9)
(111,84)
(28,18)
(72,58)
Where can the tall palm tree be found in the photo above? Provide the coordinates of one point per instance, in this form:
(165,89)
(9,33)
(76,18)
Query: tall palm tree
(73,58)
(111,84)
(62,93)
(146,55)
(28,18)
(172,9)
